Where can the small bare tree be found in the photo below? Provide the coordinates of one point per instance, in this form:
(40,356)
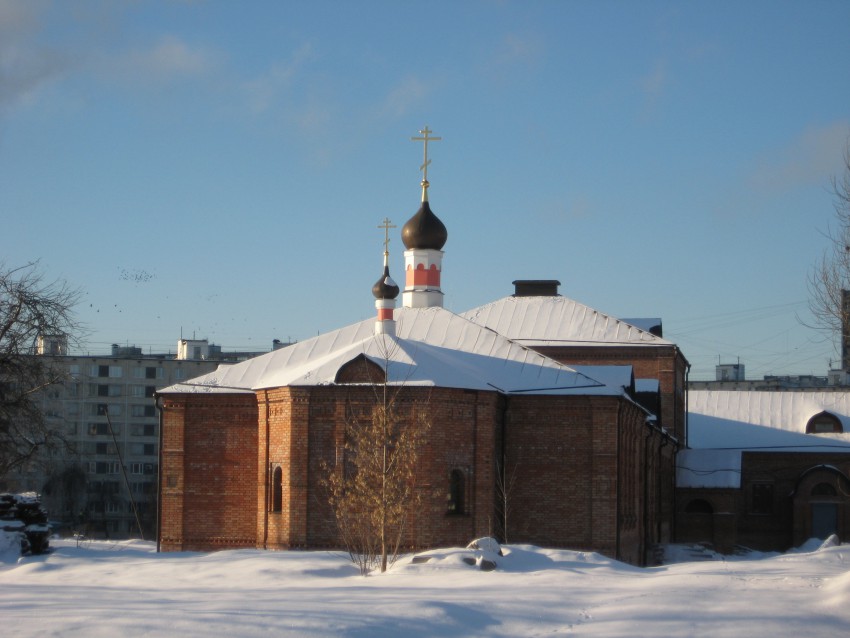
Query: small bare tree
(506,478)
(830,277)
(374,487)
(29,309)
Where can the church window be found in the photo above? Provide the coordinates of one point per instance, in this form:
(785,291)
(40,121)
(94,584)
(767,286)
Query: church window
(277,489)
(824,422)
(456,492)
(762,498)
(360,370)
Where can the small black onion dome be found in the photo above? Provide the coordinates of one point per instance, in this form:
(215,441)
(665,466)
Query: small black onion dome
(385,287)
(424,230)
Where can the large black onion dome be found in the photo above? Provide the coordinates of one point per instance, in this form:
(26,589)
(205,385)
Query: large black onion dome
(424,230)
(385,287)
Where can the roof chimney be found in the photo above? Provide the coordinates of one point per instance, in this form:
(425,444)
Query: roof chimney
(536,287)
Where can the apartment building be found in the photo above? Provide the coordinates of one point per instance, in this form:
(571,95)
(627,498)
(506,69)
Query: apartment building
(104,482)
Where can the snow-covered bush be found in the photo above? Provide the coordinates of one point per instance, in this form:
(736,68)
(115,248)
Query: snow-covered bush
(22,516)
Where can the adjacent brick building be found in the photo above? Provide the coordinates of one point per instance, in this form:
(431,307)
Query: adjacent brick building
(768,469)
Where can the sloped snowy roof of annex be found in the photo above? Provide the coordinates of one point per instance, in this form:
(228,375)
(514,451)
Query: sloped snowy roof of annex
(433,347)
(558,320)
(723,424)
(781,410)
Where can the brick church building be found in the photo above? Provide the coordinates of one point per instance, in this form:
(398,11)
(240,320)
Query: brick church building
(586,413)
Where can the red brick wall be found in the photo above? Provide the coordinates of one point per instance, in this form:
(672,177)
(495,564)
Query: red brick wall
(209,465)
(579,464)
(283,443)
(563,451)
(172,470)
(461,437)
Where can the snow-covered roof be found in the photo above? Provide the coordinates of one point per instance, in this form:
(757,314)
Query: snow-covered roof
(722,424)
(780,410)
(557,320)
(433,347)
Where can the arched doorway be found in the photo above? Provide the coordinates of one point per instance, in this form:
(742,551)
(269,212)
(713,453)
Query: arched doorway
(821,500)
(699,522)
(824,507)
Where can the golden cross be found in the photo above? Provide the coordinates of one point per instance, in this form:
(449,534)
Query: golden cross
(386,225)
(426,132)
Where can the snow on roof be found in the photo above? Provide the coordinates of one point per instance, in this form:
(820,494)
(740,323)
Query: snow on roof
(433,347)
(557,320)
(708,432)
(780,410)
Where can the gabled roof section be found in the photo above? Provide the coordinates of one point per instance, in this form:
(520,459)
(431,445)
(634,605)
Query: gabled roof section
(432,347)
(557,320)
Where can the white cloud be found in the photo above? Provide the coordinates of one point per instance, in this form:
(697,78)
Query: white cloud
(17,16)
(654,82)
(169,59)
(409,93)
(519,50)
(24,71)
(813,157)
(25,66)
(512,57)
(578,207)
(264,92)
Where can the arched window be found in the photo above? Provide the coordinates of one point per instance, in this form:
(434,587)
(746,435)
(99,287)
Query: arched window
(277,489)
(824,489)
(824,422)
(456,492)
(360,369)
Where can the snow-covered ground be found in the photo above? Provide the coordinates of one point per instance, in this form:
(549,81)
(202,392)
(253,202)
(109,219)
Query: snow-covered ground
(127,589)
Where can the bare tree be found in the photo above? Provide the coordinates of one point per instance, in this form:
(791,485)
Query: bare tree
(373,489)
(830,278)
(506,479)
(29,309)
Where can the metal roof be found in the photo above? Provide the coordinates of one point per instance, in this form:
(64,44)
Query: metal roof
(433,347)
(557,320)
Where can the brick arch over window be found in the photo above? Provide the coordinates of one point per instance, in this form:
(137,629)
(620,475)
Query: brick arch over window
(817,474)
(824,422)
(360,369)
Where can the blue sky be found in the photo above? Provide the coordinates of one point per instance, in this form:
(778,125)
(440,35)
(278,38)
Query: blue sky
(219,169)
